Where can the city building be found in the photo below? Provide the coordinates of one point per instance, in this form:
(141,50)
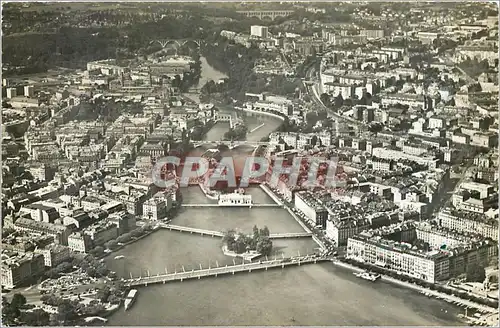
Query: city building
(314,210)
(260,31)
(20,268)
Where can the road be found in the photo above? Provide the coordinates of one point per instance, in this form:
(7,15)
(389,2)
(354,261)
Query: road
(33,293)
(315,96)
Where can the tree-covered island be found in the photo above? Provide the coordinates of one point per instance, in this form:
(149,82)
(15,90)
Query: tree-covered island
(240,243)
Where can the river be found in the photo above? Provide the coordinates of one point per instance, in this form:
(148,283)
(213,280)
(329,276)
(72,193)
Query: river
(320,294)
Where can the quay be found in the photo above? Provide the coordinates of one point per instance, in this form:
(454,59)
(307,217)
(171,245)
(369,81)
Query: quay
(214,272)
(220,234)
(271,194)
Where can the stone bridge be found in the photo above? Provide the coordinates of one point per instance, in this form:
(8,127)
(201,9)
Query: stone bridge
(231,144)
(266,14)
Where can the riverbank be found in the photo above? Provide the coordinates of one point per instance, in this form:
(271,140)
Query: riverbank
(122,245)
(434,293)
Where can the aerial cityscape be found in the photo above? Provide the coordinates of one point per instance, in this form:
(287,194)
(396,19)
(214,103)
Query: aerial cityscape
(250,164)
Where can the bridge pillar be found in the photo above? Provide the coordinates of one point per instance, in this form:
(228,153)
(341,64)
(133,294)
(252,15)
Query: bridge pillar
(266,268)
(249,270)
(283,266)
(233,272)
(216,275)
(164,282)
(199,277)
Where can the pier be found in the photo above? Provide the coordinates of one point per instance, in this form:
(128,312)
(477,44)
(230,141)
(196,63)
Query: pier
(256,128)
(214,272)
(220,234)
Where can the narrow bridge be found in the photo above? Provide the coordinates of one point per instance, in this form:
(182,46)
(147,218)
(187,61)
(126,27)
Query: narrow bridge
(266,14)
(217,205)
(214,272)
(202,232)
(231,143)
(290,235)
(205,232)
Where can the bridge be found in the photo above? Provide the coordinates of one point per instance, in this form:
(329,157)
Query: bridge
(178,43)
(214,272)
(231,144)
(211,233)
(217,205)
(202,232)
(266,14)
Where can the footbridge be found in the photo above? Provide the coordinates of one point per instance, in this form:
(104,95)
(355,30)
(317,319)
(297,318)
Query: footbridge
(231,144)
(202,232)
(217,205)
(266,14)
(214,272)
(205,232)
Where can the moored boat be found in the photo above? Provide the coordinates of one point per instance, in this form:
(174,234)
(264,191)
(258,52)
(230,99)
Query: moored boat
(368,276)
(131,296)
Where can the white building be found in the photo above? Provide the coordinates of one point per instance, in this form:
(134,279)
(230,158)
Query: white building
(155,209)
(429,266)
(260,31)
(29,91)
(235,199)
(11,93)
(469,223)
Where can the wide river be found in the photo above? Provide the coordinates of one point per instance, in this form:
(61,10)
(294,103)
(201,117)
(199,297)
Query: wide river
(320,294)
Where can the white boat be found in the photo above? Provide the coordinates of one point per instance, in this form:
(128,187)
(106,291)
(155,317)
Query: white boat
(368,276)
(119,257)
(131,296)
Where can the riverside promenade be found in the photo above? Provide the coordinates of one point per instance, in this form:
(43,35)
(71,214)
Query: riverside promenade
(271,194)
(437,294)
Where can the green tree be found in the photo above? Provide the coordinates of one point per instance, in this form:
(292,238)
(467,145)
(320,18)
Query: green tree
(9,313)
(112,244)
(125,238)
(264,246)
(66,311)
(255,232)
(264,231)
(37,317)
(103,294)
(325,99)
(475,273)
(241,244)
(18,300)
